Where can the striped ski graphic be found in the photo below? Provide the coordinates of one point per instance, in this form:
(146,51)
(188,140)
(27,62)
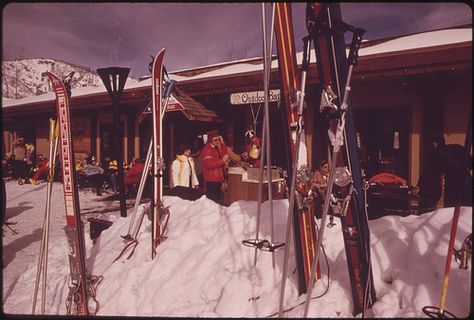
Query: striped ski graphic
(304,227)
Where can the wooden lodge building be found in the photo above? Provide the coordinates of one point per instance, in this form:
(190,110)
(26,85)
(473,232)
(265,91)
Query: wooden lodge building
(404,89)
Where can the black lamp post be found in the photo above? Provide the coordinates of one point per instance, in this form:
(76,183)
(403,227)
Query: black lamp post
(114,79)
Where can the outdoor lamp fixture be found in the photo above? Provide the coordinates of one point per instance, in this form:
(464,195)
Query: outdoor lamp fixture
(342,176)
(114,79)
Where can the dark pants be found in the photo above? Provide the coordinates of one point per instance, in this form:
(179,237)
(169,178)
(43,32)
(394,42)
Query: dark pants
(185,193)
(20,169)
(213,191)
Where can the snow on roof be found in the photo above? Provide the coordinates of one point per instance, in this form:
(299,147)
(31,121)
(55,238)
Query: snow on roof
(419,40)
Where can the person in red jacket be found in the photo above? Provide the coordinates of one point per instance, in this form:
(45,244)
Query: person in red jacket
(41,169)
(212,167)
(134,174)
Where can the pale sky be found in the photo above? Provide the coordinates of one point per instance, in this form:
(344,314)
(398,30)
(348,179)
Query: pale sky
(100,35)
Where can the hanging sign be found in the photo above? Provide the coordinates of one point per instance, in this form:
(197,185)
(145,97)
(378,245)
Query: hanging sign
(174,105)
(254,97)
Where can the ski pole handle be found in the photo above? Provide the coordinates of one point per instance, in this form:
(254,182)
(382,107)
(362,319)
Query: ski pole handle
(169,88)
(355,46)
(52,129)
(306,52)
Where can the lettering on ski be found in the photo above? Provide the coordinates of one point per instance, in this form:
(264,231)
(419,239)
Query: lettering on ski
(158,210)
(304,228)
(73,229)
(325,25)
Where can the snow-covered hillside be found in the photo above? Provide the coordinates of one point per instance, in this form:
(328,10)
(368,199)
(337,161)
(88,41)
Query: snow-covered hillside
(23,78)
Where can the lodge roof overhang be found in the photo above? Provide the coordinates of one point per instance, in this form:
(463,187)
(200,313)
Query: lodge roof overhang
(427,60)
(444,58)
(90,101)
(138,97)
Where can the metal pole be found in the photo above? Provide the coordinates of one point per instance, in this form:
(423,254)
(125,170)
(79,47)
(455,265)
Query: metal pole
(336,149)
(43,256)
(267,128)
(292,192)
(141,187)
(114,79)
(454,224)
(118,146)
(264,137)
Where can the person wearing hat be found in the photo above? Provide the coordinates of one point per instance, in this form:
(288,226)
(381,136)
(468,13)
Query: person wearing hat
(30,158)
(252,149)
(212,166)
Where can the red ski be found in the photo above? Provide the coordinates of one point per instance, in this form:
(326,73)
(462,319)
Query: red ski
(292,95)
(74,230)
(159,213)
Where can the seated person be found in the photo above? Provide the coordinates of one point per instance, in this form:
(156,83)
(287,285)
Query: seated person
(134,174)
(95,174)
(40,170)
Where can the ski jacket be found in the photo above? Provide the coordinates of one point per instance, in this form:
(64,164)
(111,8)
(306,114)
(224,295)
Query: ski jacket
(181,169)
(134,174)
(113,166)
(212,165)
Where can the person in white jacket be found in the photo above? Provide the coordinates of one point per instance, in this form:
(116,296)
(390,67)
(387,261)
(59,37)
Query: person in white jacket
(183,172)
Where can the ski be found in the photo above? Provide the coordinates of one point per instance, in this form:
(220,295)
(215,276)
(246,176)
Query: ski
(158,212)
(74,229)
(325,26)
(300,215)
(163,212)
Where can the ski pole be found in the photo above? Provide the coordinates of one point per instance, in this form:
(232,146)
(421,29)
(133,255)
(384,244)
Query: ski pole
(337,142)
(43,256)
(265,138)
(454,225)
(140,191)
(299,129)
(268,59)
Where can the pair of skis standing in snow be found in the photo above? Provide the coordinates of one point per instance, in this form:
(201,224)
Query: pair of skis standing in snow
(326,30)
(345,192)
(83,285)
(346,186)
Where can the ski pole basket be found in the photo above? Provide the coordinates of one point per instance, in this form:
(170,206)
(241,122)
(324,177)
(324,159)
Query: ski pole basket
(264,244)
(435,312)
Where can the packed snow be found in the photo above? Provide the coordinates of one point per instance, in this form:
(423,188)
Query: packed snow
(203,270)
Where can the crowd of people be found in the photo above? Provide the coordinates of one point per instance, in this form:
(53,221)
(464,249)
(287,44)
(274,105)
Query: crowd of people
(206,171)
(27,167)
